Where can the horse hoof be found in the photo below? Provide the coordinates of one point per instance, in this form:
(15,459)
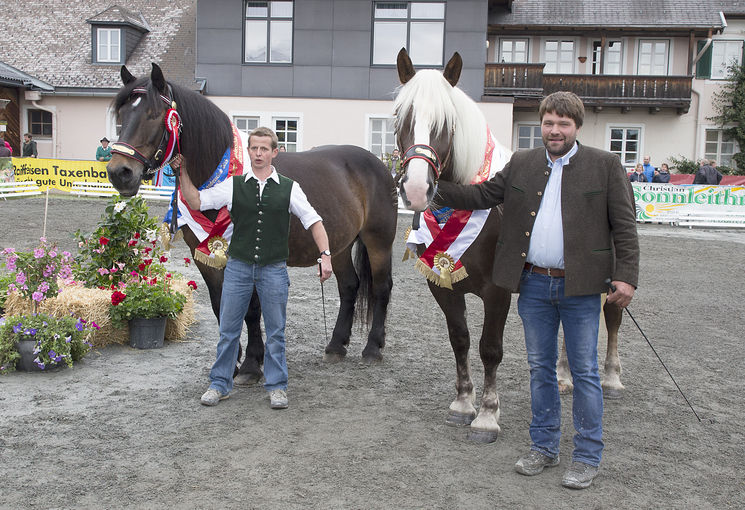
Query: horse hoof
(372,355)
(246,379)
(333,357)
(565,389)
(483,436)
(459,419)
(612,393)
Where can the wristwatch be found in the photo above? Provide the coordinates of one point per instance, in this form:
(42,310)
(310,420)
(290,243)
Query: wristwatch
(325,252)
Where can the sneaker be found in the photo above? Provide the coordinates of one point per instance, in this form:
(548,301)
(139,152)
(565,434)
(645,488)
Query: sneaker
(212,397)
(534,462)
(278,399)
(579,475)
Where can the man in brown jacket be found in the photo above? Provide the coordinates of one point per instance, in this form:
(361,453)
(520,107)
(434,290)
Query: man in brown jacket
(569,224)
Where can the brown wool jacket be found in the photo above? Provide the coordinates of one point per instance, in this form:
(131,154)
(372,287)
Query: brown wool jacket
(598,217)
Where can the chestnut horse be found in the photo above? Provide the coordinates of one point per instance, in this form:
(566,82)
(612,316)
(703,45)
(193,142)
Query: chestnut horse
(348,186)
(444,135)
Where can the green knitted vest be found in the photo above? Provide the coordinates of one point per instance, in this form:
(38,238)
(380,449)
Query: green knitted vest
(261,227)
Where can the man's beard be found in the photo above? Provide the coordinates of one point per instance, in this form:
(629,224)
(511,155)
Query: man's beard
(565,147)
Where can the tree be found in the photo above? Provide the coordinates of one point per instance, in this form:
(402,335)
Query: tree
(729,105)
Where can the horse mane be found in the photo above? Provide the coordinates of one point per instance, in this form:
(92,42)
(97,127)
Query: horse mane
(431,99)
(206,131)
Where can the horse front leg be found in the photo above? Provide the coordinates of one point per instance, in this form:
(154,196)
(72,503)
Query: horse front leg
(380,296)
(250,371)
(485,428)
(461,412)
(612,387)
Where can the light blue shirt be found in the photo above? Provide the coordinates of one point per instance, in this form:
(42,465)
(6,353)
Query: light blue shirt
(547,239)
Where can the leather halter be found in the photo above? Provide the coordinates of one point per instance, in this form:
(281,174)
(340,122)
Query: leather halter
(425,152)
(172,127)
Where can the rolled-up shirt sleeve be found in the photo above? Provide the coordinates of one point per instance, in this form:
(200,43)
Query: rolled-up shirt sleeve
(300,207)
(218,196)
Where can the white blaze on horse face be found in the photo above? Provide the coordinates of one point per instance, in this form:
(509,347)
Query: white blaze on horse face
(417,183)
(136,102)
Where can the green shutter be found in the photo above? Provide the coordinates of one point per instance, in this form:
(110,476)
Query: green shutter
(703,66)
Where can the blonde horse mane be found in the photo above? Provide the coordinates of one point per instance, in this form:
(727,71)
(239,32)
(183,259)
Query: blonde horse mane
(432,100)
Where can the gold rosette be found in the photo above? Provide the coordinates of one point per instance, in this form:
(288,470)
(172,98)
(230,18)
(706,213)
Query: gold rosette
(218,248)
(445,264)
(408,254)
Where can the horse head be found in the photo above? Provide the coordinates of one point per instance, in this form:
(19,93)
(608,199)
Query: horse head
(425,125)
(150,125)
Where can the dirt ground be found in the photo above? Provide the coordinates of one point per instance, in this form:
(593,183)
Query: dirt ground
(124,428)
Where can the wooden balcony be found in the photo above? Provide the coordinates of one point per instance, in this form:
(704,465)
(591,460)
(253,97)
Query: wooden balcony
(528,85)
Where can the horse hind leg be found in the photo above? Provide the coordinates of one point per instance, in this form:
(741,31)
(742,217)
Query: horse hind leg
(485,428)
(374,268)
(612,387)
(347,283)
(250,372)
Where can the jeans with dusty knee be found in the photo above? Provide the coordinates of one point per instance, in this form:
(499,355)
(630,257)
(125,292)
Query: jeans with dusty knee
(542,305)
(272,283)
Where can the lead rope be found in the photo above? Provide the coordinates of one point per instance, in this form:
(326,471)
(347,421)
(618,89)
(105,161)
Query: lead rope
(323,302)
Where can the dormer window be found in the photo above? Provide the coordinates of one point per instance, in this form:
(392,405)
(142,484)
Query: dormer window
(108,45)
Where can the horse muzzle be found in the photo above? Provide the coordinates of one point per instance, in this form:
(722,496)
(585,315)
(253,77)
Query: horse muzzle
(125,174)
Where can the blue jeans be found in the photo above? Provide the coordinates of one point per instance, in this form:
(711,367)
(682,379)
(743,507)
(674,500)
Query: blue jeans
(272,283)
(542,305)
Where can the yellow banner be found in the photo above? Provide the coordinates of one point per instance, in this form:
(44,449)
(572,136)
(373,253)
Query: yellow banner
(58,173)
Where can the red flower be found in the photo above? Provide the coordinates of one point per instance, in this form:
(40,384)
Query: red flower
(163,259)
(148,261)
(168,275)
(117,297)
(192,284)
(102,240)
(132,242)
(137,235)
(187,260)
(147,250)
(141,267)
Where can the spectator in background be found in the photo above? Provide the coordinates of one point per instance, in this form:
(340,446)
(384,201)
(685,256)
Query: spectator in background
(103,152)
(394,163)
(662,175)
(5,146)
(648,169)
(707,174)
(29,147)
(638,174)
(282,148)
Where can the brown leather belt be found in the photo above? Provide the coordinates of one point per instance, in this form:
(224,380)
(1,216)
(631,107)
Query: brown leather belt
(548,271)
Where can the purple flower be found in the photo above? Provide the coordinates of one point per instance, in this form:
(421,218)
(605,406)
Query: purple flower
(39,363)
(68,339)
(18,328)
(52,253)
(37,296)
(38,253)
(43,287)
(79,326)
(52,354)
(21,278)
(30,331)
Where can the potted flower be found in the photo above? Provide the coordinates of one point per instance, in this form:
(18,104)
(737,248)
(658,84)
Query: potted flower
(41,341)
(145,302)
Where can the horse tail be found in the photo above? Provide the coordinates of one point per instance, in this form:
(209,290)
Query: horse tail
(363,311)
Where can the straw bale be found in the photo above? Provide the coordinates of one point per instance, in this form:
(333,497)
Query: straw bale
(93,305)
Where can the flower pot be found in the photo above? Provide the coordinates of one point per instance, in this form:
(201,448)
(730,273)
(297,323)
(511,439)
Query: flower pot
(26,362)
(147,333)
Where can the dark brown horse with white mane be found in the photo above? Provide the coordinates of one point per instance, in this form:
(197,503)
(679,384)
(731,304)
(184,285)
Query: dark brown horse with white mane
(350,188)
(444,135)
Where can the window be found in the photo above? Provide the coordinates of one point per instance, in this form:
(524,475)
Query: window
(723,55)
(653,57)
(559,57)
(719,148)
(287,132)
(246,124)
(611,59)
(40,123)
(528,137)
(108,45)
(382,139)
(624,141)
(417,26)
(513,50)
(268,32)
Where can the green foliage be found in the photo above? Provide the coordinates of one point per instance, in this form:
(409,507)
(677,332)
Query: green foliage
(6,279)
(125,237)
(683,165)
(58,340)
(729,105)
(146,299)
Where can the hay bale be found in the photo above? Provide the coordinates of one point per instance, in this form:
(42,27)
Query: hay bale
(93,305)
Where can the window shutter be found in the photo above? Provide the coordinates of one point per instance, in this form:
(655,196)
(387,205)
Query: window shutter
(703,66)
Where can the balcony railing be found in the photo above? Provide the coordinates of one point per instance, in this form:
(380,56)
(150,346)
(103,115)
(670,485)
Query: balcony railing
(528,84)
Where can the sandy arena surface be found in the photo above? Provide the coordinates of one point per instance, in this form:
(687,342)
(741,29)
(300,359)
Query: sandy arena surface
(124,428)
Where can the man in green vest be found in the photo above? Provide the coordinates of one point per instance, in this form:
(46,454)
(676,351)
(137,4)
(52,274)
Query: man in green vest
(260,202)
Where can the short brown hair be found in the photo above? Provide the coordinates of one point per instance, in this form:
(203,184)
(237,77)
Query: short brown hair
(265,131)
(564,104)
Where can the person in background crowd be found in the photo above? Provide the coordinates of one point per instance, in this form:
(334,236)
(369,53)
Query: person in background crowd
(648,169)
(5,144)
(29,147)
(282,148)
(662,175)
(557,246)
(394,163)
(638,174)
(4,151)
(103,152)
(707,174)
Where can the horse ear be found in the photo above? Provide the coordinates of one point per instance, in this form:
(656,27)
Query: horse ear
(127,77)
(156,76)
(453,69)
(405,68)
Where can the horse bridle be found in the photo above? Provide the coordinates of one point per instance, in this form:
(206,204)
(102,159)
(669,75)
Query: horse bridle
(168,143)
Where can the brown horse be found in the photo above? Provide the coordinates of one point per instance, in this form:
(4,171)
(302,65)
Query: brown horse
(350,188)
(445,136)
